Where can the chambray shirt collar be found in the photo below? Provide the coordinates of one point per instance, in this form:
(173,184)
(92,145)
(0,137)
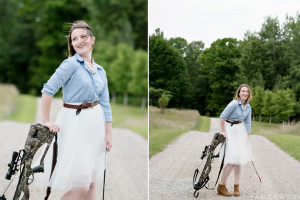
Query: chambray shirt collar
(240,103)
(80,59)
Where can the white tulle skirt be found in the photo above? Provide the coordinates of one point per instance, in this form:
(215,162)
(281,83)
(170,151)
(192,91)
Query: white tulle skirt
(238,148)
(81,151)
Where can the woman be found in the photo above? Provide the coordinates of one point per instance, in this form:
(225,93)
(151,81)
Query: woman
(84,124)
(235,123)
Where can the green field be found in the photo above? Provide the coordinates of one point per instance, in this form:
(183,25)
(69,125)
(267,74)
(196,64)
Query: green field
(22,108)
(164,128)
(203,124)
(25,109)
(9,94)
(286,137)
(131,117)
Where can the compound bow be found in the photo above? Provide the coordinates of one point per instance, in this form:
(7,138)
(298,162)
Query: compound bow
(38,135)
(208,151)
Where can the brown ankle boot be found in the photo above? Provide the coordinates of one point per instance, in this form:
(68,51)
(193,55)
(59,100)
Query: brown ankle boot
(222,190)
(236,190)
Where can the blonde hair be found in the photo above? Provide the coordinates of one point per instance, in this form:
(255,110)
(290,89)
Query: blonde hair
(237,94)
(77,24)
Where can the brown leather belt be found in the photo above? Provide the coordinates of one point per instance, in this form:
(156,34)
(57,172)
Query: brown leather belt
(81,106)
(233,122)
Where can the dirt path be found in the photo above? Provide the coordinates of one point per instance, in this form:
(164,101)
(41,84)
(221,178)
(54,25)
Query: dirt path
(127,163)
(171,171)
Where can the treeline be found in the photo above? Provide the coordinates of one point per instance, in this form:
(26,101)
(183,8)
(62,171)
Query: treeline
(207,79)
(33,41)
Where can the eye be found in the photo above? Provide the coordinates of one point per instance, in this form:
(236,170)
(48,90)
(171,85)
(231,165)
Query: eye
(74,39)
(83,36)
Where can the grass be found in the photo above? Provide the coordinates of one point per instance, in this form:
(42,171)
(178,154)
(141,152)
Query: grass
(286,137)
(203,124)
(131,117)
(165,128)
(9,94)
(288,143)
(25,109)
(22,108)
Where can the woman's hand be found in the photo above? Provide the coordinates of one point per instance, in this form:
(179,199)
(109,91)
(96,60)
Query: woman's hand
(108,142)
(52,127)
(223,133)
(108,136)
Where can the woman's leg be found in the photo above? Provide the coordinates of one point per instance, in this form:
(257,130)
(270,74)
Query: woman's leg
(91,195)
(237,174)
(74,195)
(225,173)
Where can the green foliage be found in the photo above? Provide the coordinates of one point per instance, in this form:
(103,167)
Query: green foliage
(257,101)
(269,109)
(139,81)
(267,60)
(163,102)
(285,101)
(33,42)
(218,67)
(154,95)
(168,71)
(120,21)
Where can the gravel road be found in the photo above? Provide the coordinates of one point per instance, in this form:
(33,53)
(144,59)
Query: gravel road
(127,163)
(171,171)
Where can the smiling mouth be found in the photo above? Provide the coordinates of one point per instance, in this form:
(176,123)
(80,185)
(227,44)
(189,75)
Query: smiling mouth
(81,46)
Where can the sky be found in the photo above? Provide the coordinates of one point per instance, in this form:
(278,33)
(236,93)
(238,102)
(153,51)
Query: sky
(209,20)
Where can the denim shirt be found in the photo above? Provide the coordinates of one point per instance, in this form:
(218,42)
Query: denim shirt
(79,85)
(234,112)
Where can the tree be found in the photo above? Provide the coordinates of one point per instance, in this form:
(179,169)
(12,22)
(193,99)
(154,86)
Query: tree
(120,21)
(180,44)
(285,101)
(139,82)
(218,68)
(251,62)
(270,108)
(257,101)
(163,102)
(291,31)
(167,70)
(121,70)
(104,54)
(52,47)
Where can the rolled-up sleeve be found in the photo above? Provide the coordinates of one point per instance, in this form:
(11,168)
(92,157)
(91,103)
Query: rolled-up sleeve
(59,78)
(104,102)
(229,109)
(247,121)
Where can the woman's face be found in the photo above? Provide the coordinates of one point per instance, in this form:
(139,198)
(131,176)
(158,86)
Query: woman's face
(244,93)
(82,42)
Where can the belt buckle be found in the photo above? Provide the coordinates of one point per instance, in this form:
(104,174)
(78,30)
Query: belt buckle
(92,105)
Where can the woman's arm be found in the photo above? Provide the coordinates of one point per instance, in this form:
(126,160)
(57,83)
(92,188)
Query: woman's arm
(108,136)
(222,125)
(46,104)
